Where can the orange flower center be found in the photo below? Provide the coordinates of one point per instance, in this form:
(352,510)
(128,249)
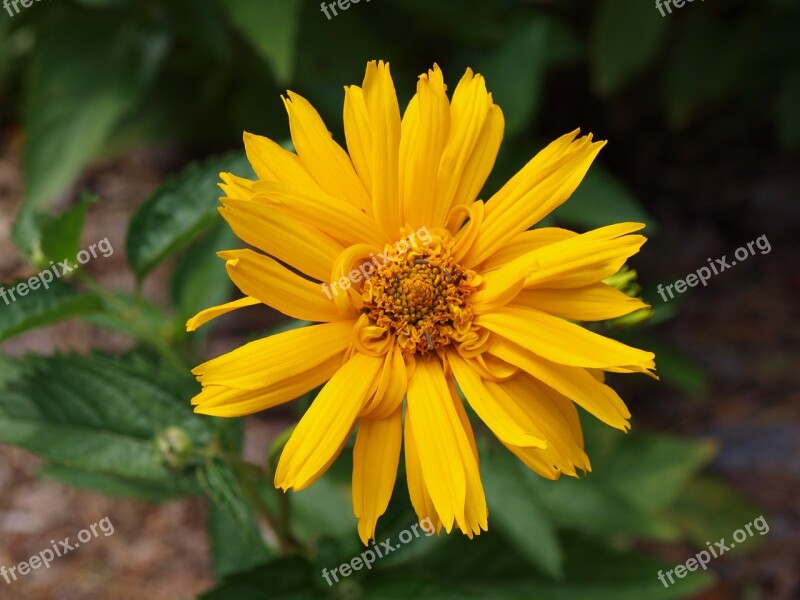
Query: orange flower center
(421,297)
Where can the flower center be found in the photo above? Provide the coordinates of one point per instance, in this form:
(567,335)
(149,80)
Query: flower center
(420,295)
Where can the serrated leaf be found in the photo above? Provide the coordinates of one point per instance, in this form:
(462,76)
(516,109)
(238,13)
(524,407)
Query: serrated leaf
(517,514)
(626,35)
(99,414)
(42,306)
(74,97)
(232,552)
(200,279)
(222,486)
(179,211)
(602,200)
(271,28)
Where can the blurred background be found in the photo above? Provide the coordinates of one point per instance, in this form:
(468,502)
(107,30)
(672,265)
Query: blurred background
(116,117)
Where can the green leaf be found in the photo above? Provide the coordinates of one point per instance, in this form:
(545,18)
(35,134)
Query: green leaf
(601,199)
(586,506)
(200,279)
(202,26)
(43,306)
(74,97)
(10,369)
(634,480)
(100,414)
(595,571)
(517,515)
(401,588)
(708,61)
(221,484)
(788,112)
(271,28)
(323,509)
(232,552)
(112,485)
(61,235)
(179,211)
(118,313)
(625,38)
(285,579)
(677,369)
(708,509)
(515,73)
(649,472)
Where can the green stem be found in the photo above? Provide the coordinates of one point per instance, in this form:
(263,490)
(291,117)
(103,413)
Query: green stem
(132,316)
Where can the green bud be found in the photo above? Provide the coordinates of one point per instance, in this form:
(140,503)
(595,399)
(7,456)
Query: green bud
(174,447)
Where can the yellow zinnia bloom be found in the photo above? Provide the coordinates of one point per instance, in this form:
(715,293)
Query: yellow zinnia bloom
(418,289)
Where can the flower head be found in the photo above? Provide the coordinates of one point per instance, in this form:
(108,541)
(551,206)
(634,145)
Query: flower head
(480,302)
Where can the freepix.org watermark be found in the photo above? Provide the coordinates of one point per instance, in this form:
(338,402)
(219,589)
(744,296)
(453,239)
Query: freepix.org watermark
(717,266)
(342,4)
(422,237)
(666,4)
(7,4)
(56,271)
(702,558)
(56,550)
(370,555)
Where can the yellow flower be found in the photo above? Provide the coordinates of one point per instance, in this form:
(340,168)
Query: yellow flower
(418,289)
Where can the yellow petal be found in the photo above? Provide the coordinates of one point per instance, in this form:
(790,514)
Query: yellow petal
(469,111)
(282,236)
(573,382)
(268,361)
(384,119)
(560,341)
(476,512)
(424,131)
(321,432)
(327,162)
(375,459)
(391,387)
(582,263)
(540,187)
(346,278)
(417,491)
(481,161)
(437,432)
(526,242)
(552,413)
(596,302)
(237,187)
(204,316)
(273,163)
(342,222)
(573,262)
(358,134)
(261,277)
(502,419)
(222,401)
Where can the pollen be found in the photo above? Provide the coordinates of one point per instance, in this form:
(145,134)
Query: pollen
(421,296)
